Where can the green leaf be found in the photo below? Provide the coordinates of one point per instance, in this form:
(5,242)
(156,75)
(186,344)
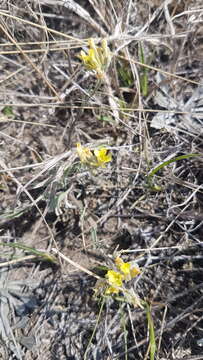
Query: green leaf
(165,163)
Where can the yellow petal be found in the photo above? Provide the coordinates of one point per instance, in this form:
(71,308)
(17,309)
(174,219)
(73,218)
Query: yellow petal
(134,272)
(125,268)
(97,59)
(102,156)
(118,262)
(91,44)
(114,278)
(111,290)
(83,56)
(85,154)
(128,269)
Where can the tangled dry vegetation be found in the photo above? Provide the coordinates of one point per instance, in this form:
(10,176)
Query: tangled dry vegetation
(61,221)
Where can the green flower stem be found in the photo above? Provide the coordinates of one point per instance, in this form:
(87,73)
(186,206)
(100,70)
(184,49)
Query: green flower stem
(95,328)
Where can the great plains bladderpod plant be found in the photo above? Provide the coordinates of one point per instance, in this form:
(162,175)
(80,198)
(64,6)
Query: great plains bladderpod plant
(97,59)
(116,280)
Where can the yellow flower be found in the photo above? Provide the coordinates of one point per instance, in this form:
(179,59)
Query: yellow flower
(89,60)
(102,157)
(97,58)
(115,282)
(84,154)
(97,158)
(127,269)
(114,278)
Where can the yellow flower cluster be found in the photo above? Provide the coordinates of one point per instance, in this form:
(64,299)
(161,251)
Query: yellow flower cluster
(97,59)
(96,158)
(126,272)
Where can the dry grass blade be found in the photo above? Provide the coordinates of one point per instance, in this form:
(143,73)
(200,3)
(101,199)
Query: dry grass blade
(4,30)
(79,10)
(98,6)
(78,41)
(73,263)
(22,188)
(171,75)
(33,51)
